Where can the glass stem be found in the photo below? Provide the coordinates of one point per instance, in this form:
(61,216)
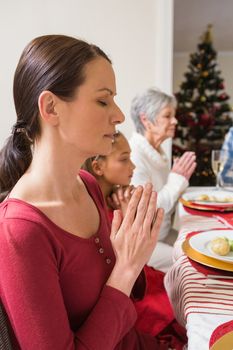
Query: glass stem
(218,181)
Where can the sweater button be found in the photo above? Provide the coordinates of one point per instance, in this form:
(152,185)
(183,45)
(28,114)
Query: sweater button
(101,250)
(108,261)
(97,240)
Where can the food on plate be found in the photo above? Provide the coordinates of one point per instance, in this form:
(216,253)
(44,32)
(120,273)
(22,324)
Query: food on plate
(221,245)
(203,197)
(209,198)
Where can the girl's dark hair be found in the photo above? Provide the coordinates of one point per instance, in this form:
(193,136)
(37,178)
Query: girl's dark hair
(52,62)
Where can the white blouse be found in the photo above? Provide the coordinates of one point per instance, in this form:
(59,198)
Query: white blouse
(153,166)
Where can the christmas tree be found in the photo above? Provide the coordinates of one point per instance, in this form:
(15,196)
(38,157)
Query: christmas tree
(203,113)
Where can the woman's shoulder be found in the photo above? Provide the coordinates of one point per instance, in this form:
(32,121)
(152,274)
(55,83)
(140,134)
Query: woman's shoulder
(140,144)
(20,219)
(14,208)
(137,140)
(20,223)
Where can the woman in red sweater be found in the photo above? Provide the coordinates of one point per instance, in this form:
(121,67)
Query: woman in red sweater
(65,281)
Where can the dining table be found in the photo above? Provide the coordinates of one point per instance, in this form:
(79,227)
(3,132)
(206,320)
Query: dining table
(200,287)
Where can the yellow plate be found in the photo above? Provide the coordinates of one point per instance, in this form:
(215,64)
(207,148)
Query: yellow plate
(224,343)
(205,260)
(200,207)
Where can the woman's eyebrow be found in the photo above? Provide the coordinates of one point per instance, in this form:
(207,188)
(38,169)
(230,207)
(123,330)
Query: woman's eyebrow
(108,90)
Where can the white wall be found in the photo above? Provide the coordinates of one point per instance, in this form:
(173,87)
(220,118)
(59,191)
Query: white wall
(127,30)
(164,53)
(225,64)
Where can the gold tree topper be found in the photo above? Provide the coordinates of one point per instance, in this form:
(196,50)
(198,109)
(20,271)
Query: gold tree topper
(207,36)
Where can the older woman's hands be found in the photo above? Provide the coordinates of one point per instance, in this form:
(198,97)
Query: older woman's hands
(185,165)
(134,237)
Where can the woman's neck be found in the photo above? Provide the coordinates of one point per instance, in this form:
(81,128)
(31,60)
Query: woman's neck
(154,140)
(52,175)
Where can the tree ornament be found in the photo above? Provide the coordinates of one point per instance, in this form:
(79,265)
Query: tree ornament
(203,98)
(223,96)
(192,115)
(205,120)
(191,122)
(205,73)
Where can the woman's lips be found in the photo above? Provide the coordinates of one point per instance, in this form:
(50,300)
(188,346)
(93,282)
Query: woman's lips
(111,136)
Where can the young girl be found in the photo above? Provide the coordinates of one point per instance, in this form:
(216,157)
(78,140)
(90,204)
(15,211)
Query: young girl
(113,173)
(65,279)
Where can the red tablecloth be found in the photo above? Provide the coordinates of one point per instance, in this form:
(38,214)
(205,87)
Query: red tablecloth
(200,304)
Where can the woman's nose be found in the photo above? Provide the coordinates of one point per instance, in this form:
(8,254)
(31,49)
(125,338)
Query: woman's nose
(174,120)
(132,164)
(117,116)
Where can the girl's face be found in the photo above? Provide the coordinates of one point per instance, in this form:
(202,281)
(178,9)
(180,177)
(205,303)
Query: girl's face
(88,122)
(117,168)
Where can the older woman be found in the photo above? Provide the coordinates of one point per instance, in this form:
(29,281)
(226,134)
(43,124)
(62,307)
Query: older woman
(153,113)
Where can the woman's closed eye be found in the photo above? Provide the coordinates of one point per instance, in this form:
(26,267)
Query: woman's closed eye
(102,103)
(124,159)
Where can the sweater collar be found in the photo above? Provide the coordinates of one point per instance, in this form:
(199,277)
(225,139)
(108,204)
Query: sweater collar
(148,149)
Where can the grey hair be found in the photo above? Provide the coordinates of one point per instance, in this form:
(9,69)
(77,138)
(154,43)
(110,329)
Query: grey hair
(150,103)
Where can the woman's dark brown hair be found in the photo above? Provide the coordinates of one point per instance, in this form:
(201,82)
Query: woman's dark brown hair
(52,62)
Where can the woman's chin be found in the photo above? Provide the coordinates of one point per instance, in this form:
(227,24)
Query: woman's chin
(171,134)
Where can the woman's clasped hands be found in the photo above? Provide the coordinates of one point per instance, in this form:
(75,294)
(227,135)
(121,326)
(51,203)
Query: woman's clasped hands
(185,165)
(134,236)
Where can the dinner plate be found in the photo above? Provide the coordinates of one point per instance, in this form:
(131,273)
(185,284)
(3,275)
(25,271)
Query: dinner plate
(213,197)
(201,242)
(212,200)
(225,342)
(205,260)
(220,208)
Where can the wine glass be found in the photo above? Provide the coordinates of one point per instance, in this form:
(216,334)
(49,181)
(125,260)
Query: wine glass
(218,159)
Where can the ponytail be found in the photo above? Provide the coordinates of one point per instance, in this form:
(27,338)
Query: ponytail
(15,158)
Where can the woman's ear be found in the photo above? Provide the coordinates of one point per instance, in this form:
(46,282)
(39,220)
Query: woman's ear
(47,106)
(97,166)
(145,122)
